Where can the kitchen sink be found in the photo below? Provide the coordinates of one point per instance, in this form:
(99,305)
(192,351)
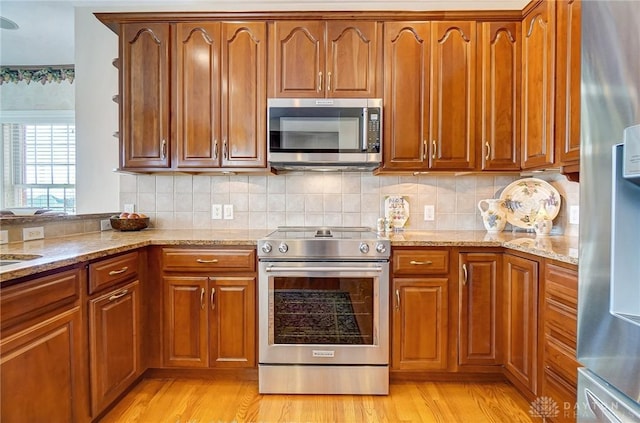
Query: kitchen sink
(7,259)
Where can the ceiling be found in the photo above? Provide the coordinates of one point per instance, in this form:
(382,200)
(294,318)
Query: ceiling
(46,37)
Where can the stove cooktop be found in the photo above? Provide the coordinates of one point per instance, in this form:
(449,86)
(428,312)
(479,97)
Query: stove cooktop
(324,232)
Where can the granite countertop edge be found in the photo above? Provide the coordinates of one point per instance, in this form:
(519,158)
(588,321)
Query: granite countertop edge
(69,250)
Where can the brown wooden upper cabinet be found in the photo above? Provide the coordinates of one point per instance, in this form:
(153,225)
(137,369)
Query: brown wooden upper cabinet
(429,94)
(568,45)
(193,95)
(538,80)
(338,59)
(499,76)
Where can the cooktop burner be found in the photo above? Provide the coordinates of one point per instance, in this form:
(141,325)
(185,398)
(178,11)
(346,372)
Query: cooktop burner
(330,232)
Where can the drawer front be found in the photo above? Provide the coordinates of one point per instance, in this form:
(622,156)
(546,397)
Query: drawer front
(563,394)
(39,296)
(561,285)
(109,272)
(195,260)
(562,361)
(561,322)
(420,262)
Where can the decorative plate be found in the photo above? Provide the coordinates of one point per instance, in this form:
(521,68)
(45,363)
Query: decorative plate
(521,201)
(396,209)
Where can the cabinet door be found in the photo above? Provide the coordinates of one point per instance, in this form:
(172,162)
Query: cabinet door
(243,67)
(233,321)
(480,309)
(453,85)
(197,94)
(144,96)
(568,35)
(352,60)
(114,344)
(40,374)
(298,57)
(521,317)
(420,324)
(406,95)
(499,91)
(185,322)
(538,55)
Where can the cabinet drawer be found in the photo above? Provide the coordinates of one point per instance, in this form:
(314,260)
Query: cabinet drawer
(561,285)
(420,262)
(563,394)
(39,296)
(561,322)
(561,360)
(194,260)
(108,272)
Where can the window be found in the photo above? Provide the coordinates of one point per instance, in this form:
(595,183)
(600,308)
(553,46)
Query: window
(39,156)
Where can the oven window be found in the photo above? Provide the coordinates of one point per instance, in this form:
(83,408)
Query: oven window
(323,310)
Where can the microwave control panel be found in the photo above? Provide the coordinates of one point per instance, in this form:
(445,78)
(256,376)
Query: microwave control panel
(374,130)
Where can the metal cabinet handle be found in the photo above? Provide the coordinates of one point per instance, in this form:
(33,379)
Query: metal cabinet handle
(118,295)
(319,81)
(163,149)
(465,274)
(435,148)
(397,299)
(425,149)
(215,149)
(211,298)
(202,298)
(328,81)
(486,144)
(207,261)
(117,272)
(225,152)
(421,263)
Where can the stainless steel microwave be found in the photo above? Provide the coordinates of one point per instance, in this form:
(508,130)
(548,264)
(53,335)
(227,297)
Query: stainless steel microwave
(324,133)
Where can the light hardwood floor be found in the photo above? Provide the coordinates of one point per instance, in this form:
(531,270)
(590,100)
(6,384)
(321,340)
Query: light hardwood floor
(209,401)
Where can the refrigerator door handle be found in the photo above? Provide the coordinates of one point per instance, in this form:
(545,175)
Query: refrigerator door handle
(599,409)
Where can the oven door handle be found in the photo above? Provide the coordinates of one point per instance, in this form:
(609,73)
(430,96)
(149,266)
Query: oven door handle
(322,269)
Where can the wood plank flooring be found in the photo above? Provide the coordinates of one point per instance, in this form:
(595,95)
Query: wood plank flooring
(214,401)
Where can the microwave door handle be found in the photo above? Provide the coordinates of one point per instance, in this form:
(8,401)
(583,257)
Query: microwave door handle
(365,127)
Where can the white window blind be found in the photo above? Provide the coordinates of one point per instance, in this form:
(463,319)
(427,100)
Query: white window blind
(39,154)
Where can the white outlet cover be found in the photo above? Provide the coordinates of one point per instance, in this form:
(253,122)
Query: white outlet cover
(129,208)
(105,225)
(4,237)
(216,211)
(574,215)
(29,234)
(429,212)
(228,211)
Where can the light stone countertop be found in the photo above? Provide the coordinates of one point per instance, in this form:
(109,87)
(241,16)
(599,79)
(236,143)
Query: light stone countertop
(68,250)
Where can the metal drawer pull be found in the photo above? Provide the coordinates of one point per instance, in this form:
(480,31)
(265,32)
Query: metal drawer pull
(163,149)
(322,269)
(215,149)
(213,293)
(420,263)
(488,150)
(328,81)
(117,272)
(202,298)
(466,274)
(425,149)
(397,299)
(435,149)
(207,261)
(319,81)
(118,295)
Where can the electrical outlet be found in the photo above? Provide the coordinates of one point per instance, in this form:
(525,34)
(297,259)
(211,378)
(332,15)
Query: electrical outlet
(105,224)
(129,208)
(4,237)
(29,234)
(216,211)
(228,211)
(574,215)
(429,213)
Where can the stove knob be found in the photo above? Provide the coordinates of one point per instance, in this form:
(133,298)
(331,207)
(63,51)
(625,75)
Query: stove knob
(381,248)
(266,248)
(364,248)
(283,248)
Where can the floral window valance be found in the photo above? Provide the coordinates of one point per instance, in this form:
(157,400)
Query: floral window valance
(42,74)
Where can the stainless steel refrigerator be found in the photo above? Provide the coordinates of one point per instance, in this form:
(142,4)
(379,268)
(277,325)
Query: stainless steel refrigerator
(609,274)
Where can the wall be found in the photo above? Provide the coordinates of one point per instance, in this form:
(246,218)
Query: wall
(309,198)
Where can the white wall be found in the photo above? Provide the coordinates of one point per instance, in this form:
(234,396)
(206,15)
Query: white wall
(98,187)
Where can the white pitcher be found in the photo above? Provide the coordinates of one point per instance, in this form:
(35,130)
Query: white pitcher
(493,216)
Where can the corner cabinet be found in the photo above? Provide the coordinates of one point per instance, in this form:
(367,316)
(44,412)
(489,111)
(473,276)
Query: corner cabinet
(209,307)
(325,59)
(538,83)
(192,95)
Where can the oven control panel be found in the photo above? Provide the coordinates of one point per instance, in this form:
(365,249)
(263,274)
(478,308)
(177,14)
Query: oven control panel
(360,250)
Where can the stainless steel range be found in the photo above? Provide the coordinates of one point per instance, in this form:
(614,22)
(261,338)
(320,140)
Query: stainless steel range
(324,311)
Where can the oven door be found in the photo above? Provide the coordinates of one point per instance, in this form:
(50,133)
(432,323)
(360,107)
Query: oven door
(324,313)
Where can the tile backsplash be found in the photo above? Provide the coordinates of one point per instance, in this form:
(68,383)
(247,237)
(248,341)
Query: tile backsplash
(331,199)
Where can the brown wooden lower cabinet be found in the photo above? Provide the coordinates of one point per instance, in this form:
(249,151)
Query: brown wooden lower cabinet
(559,316)
(42,375)
(520,286)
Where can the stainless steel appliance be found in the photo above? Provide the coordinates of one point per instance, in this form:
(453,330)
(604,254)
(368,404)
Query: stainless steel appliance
(609,276)
(323,311)
(325,133)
